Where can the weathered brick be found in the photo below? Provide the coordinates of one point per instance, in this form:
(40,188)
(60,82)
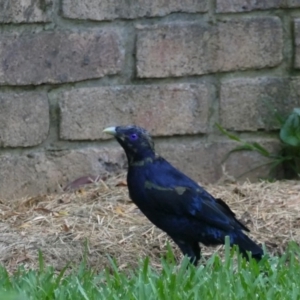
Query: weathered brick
(297,43)
(245,103)
(24,118)
(42,172)
(162,109)
(56,57)
(112,9)
(203,161)
(293,3)
(194,48)
(25,11)
(224,6)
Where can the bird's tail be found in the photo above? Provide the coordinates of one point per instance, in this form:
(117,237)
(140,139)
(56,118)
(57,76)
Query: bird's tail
(247,245)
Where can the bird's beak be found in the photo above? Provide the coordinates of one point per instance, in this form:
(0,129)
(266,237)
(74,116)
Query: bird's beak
(110,130)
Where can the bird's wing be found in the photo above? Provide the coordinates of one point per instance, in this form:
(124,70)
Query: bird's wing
(193,203)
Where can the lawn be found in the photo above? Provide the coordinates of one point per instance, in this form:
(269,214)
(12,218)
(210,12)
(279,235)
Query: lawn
(231,278)
(94,243)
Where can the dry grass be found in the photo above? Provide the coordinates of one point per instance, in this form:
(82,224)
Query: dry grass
(103,215)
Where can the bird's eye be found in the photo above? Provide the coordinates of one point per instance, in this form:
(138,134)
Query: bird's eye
(133,137)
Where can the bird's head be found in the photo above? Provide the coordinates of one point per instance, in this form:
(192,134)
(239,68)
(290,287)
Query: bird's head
(136,142)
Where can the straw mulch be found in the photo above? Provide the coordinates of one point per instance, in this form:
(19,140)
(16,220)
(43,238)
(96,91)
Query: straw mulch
(99,220)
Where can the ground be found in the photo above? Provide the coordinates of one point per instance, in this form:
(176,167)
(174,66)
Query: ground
(100,221)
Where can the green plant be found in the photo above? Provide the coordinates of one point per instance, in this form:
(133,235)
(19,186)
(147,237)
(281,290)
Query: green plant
(229,278)
(288,157)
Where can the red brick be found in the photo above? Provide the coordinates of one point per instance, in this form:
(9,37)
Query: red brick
(57,57)
(225,6)
(24,118)
(293,3)
(44,172)
(297,43)
(162,109)
(244,101)
(203,161)
(25,11)
(194,48)
(112,9)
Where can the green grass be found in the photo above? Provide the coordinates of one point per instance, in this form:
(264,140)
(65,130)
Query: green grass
(272,278)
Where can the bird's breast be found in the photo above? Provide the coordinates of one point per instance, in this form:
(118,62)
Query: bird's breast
(135,181)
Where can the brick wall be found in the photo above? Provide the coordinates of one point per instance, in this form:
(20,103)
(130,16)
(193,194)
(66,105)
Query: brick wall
(69,68)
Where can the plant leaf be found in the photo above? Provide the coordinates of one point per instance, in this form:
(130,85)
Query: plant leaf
(290,131)
(280,119)
(262,150)
(230,135)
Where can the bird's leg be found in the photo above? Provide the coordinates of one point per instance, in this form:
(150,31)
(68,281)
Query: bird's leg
(189,248)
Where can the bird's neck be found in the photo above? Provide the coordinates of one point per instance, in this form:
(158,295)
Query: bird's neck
(141,160)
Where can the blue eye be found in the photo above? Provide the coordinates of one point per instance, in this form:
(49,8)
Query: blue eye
(133,137)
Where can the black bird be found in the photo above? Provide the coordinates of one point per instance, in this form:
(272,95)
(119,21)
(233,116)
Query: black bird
(174,202)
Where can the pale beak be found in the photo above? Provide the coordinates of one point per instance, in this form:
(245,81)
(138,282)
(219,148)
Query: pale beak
(110,130)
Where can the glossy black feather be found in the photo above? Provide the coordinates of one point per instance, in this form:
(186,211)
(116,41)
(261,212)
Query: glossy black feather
(175,203)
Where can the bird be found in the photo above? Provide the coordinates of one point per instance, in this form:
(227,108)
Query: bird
(174,202)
